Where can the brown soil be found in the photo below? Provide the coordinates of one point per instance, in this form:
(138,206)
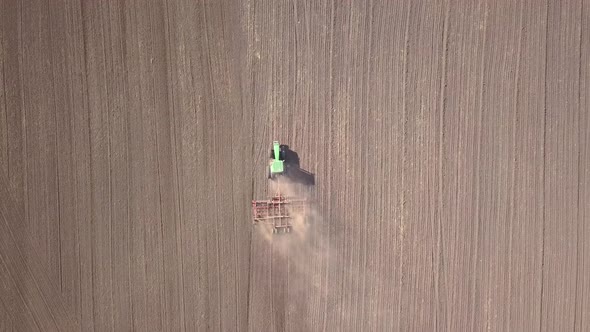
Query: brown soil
(450,142)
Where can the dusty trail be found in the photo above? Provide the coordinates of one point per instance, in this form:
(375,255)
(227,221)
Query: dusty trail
(450,144)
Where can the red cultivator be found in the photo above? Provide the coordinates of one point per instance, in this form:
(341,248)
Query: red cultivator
(278,212)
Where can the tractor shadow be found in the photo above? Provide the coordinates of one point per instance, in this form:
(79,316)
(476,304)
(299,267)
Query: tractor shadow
(294,171)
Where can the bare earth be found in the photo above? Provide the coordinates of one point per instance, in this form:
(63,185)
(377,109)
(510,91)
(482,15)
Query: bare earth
(450,142)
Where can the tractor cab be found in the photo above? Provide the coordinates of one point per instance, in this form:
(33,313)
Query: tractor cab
(277,164)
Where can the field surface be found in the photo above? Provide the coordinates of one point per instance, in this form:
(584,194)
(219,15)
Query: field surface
(450,142)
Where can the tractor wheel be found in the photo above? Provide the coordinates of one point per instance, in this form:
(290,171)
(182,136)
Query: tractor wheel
(283,152)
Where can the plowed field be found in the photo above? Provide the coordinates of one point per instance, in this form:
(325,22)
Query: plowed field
(450,142)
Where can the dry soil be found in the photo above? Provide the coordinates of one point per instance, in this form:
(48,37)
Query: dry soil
(450,142)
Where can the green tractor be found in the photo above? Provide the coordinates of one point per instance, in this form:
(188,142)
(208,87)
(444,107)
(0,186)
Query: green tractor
(277,165)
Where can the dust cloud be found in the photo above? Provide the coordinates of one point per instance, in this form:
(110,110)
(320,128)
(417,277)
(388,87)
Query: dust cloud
(312,260)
